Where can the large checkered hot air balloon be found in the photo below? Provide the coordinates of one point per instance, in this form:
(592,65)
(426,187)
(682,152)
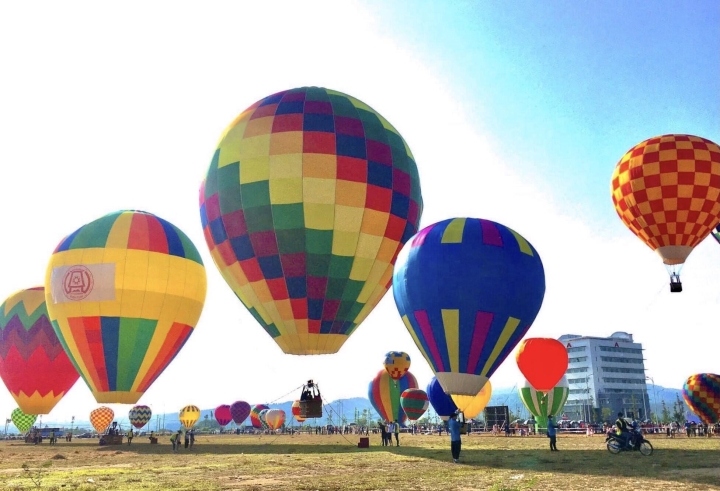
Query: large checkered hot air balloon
(124,293)
(33,364)
(467,290)
(308,199)
(22,421)
(702,395)
(100,418)
(239,410)
(667,192)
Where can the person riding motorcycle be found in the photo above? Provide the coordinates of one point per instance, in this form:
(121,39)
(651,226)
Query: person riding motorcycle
(622,430)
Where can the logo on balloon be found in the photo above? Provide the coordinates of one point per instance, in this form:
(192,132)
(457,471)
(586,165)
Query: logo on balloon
(78,282)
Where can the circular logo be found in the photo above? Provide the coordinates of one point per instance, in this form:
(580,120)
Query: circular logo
(77,282)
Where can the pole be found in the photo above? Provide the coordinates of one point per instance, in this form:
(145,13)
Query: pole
(657,421)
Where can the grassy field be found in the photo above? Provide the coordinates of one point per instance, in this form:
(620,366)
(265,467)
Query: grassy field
(323,462)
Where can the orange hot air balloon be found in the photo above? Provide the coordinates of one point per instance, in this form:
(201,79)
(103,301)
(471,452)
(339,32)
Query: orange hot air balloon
(666,190)
(275,418)
(296,412)
(543,362)
(101,418)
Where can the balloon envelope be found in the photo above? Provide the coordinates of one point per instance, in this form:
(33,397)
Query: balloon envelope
(124,293)
(441,402)
(702,395)
(275,418)
(542,404)
(33,364)
(414,402)
(188,416)
(471,406)
(397,363)
(139,416)
(239,410)
(543,362)
(467,290)
(665,190)
(23,422)
(384,394)
(255,415)
(101,418)
(308,199)
(223,415)
(296,412)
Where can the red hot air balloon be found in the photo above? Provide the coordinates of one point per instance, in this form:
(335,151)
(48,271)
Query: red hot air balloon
(543,362)
(223,415)
(296,412)
(33,363)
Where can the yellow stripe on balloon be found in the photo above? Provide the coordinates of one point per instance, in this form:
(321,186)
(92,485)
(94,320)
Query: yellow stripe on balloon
(505,335)
(120,231)
(522,243)
(451,326)
(454,231)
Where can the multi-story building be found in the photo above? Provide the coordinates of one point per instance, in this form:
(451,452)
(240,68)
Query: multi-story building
(606,376)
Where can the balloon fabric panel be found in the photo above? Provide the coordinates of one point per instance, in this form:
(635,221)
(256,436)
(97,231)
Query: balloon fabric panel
(308,199)
(414,402)
(33,363)
(701,393)
(223,415)
(541,405)
(101,418)
(139,416)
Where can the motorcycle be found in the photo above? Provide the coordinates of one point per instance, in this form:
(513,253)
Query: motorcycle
(637,442)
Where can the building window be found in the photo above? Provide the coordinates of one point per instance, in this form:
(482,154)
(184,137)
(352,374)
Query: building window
(576,349)
(611,380)
(614,349)
(577,370)
(614,359)
(579,359)
(638,371)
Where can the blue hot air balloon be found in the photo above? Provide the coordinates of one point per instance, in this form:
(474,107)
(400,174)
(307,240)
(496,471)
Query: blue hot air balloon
(468,290)
(442,403)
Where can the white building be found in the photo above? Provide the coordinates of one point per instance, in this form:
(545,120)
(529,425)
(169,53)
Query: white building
(606,376)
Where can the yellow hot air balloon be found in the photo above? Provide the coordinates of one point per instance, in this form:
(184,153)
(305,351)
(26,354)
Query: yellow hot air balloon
(124,293)
(189,416)
(101,418)
(275,418)
(471,406)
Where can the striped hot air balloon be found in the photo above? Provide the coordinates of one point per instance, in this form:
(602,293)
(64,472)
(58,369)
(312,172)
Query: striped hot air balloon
(544,404)
(124,293)
(101,418)
(223,415)
(188,416)
(240,410)
(33,364)
(139,416)
(275,418)
(23,422)
(255,415)
(414,402)
(296,412)
(384,394)
(702,395)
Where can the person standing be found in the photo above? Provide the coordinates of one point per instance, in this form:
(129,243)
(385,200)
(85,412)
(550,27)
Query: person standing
(130,436)
(552,433)
(383,432)
(455,442)
(396,429)
(187,438)
(175,440)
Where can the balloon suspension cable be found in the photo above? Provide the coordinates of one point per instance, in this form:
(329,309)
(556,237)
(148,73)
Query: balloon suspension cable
(285,395)
(329,408)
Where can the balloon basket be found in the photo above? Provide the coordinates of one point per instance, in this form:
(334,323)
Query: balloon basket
(364,442)
(311,409)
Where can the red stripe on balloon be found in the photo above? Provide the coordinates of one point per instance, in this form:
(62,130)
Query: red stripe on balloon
(490,234)
(426,329)
(483,320)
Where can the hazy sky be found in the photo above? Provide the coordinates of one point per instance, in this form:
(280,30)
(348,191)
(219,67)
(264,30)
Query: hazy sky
(515,112)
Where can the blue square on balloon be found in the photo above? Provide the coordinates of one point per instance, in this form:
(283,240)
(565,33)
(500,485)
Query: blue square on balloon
(315,308)
(318,122)
(297,287)
(242,247)
(217,230)
(409,232)
(326,327)
(290,107)
(272,99)
(271,267)
(380,175)
(400,205)
(351,146)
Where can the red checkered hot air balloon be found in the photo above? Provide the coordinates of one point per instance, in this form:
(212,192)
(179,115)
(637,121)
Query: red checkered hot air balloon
(397,363)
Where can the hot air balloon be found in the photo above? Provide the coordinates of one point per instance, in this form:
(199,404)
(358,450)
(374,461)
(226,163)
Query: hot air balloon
(255,415)
(263,421)
(22,421)
(441,402)
(33,363)
(414,402)
(308,199)
(223,415)
(543,362)
(239,410)
(702,395)
(101,418)
(275,418)
(471,406)
(397,363)
(124,293)
(188,416)
(296,412)
(666,190)
(542,404)
(467,290)
(139,416)
(384,394)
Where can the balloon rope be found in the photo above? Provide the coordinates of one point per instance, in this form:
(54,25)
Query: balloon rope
(328,407)
(285,395)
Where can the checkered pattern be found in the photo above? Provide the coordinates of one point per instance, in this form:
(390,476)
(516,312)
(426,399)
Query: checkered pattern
(239,410)
(189,416)
(702,395)
(397,363)
(101,418)
(667,189)
(139,416)
(23,422)
(308,200)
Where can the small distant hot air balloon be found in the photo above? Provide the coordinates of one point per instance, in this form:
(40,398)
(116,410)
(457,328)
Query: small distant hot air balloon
(308,199)
(223,415)
(441,402)
(543,362)
(23,422)
(546,403)
(666,190)
(240,410)
(384,395)
(702,395)
(275,418)
(263,421)
(467,290)
(296,412)
(124,293)
(188,416)
(255,415)
(101,418)
(471,406)
(139,416)
(414,402)
(397,363)
(33,364)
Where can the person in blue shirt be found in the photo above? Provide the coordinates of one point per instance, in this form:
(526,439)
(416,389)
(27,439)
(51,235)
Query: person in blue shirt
(552,433)
(455,442)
